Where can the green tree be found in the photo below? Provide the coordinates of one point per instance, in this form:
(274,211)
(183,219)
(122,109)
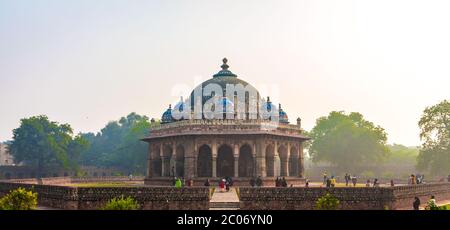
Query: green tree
(19,199)
(348,141)
(434,155)
(121,204)
(327,202)
(42,143)
(119,144)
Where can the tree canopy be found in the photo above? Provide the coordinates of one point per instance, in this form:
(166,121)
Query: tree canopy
(347,141)
(119,144)
(42,143)
(434,155)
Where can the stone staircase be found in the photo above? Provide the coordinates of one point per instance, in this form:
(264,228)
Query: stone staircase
(224,200)
(224,206)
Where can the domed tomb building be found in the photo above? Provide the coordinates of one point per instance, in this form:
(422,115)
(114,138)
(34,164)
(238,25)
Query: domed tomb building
(225,129)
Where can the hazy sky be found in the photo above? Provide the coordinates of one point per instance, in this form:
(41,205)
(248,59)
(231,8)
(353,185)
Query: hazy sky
(88,62)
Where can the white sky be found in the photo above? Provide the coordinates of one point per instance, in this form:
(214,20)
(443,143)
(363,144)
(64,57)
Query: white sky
(88,62)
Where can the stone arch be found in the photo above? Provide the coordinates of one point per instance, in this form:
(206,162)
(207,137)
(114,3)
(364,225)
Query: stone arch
(270,154)
(283,154)
(246,162)
(156,162)
(225,161)
(179,161)
(167,155)
(204,161)
(293,162)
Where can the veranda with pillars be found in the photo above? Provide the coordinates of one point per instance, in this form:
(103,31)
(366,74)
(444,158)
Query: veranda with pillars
(220,156)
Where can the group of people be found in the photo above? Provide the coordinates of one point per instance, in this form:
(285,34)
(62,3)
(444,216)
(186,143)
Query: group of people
(181,182)
(281,182)
(416,179)
(349,179)
(225,184)
(430,205)
(330,182)
(256,182)
(376,183)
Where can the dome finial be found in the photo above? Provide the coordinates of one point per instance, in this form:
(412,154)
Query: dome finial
(279,106)
(170,106)
(224,65)
(268,99)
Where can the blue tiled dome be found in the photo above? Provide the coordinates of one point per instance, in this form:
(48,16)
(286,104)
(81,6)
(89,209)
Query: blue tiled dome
(180,105)
(228,105)
(167,116)
(267,104)
(283,116)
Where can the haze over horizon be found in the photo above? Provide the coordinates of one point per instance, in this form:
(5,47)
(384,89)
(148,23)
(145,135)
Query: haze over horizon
(89,62)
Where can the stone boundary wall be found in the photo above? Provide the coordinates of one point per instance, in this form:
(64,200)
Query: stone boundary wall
(87,198)
(68,180)
(359,198)
(404,195)
(267,181)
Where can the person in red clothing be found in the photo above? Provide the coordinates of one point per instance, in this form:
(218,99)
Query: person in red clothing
(222,185)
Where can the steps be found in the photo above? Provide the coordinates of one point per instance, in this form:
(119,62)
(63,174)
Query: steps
(224,206)
(224,200)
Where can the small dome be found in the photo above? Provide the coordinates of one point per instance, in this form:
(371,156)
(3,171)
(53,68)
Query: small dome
(180,105)
(283,116)
(167,116)
(268,104)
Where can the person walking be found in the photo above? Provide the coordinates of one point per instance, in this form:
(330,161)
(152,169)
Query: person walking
(284,182)
(252,182)
(222,185)
(354,180)
(347,179)
(392,183)
(333,181)
(325,178)
(376,183)
(259,181)
(368,183)
(178,183)
(416,203)
(207,184)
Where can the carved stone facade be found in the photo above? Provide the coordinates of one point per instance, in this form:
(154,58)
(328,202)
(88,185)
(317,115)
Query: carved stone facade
(220,148)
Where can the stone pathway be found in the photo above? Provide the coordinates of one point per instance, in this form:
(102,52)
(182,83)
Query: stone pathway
(224,200)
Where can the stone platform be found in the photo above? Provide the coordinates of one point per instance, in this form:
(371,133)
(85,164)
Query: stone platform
(267,181)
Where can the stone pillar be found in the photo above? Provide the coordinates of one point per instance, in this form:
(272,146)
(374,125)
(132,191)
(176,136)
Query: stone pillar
(300,168)
(190,153)
(260,158)
(214,158)
(288,157)
(163,160)
(173,162)
(149,161)
(236,160)
(276,162)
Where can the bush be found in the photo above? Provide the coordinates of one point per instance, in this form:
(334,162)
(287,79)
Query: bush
(121,204)
(19,199)
(327,202)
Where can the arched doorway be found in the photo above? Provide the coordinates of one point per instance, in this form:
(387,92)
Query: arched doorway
(167,154)
(245,162)
(225,161)
(282,151)
(293,162)
(180,161)
(269,160)
(204,162)
(156,162)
